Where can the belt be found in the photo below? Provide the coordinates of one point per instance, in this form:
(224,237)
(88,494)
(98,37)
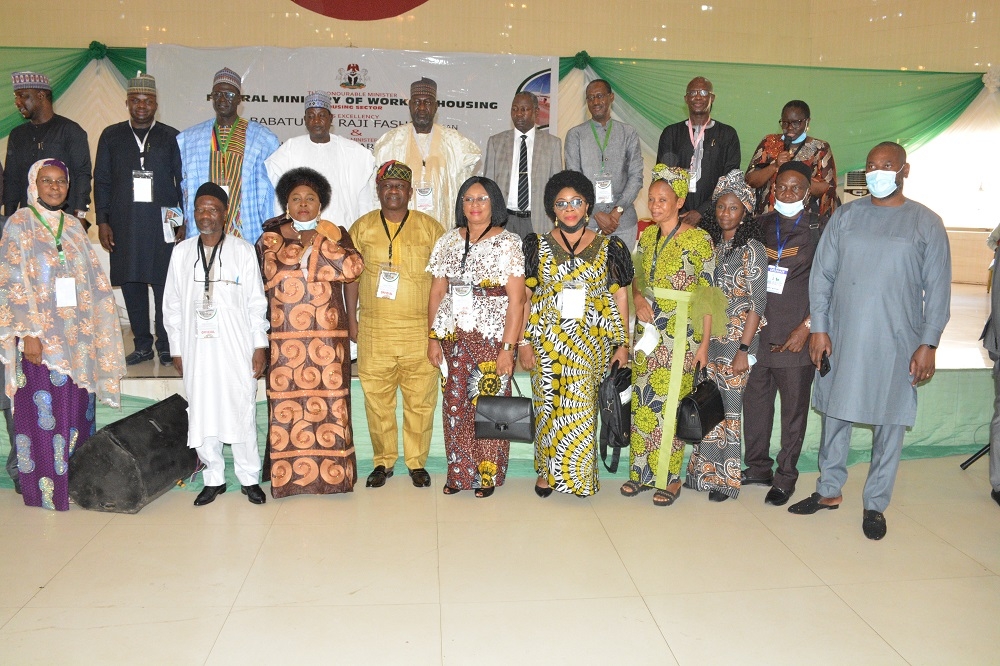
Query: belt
(519,213)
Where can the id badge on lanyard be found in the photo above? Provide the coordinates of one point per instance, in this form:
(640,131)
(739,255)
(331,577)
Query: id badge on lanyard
(573,300)
(424,197)
(388,282)
(461,302)
(65,292)
(142,186)
(206,318)
(603,190)
(776,276)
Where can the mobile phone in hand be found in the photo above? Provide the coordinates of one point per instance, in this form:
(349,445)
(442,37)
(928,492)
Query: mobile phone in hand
(824,365)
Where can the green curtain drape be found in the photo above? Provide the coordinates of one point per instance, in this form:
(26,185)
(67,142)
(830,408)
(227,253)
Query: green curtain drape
(62,66)
(852,109)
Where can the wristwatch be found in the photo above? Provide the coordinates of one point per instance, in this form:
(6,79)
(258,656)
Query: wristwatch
(744,347)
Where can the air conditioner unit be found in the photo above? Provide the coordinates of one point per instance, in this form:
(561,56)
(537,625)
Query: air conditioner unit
(855,186)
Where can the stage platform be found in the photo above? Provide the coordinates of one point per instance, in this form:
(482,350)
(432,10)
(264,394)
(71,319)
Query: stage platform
(953,417)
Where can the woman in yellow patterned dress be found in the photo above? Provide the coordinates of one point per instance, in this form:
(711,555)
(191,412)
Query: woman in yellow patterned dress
(675,263)
(305,262)
(577,326)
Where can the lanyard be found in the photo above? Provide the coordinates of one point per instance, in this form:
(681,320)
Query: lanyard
(607,135)
(207,265)
(659,246)
(468,247)
(57,235)
(142,145)
(701,132)
(224,147)
(393,238)
(777,235)
(571,248)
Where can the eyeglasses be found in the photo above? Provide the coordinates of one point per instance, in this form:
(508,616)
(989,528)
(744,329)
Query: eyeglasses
(59,182)
(471,200)
(698,93)
(223,94)
(793,123)
(598,97)
(575,202)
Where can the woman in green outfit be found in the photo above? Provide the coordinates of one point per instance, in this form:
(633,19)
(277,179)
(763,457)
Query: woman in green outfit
(673,285)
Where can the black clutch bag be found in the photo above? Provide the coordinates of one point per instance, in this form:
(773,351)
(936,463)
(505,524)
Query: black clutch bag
(700,410)
(615,399)
(505,417)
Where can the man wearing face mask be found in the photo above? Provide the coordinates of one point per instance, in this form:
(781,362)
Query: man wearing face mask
(346,164)
(783,365)
(879,296)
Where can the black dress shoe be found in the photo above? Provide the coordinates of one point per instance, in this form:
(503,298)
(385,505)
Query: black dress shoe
(542,492)
(17,485)
(717,496)
(746,480)
(378,476)
(776,497)
(208,494)
(811,505)
(995,494)
(166,359)
(254,494)
(873,524)
(138,356)
(420,477)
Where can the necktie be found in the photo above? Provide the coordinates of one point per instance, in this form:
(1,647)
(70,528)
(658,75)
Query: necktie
(522,175)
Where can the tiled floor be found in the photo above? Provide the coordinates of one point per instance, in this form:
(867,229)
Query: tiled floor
(401,575)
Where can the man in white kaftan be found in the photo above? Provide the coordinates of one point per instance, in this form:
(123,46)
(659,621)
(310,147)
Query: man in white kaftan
(349,166)
(218,333)
(441,158)
(880,297)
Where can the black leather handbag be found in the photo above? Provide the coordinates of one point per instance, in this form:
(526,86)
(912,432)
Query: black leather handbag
(505,417)
(614,396)
(701,409)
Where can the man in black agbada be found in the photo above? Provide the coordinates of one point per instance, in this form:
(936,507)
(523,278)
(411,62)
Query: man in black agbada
(138,172)
(46,134)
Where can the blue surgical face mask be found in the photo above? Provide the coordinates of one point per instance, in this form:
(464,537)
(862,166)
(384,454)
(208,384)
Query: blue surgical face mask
(881,183)
(789,209)
(305,226)
(800,138)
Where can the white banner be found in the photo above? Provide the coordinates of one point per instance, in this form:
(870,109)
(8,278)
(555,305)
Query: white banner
(369,87)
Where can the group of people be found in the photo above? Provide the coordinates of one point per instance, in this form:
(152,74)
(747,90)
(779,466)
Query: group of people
(447,281)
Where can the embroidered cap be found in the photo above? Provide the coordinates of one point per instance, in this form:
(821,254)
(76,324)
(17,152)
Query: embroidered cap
(394,170)
(226,75)
(318,100)
(30,81)
(142,84)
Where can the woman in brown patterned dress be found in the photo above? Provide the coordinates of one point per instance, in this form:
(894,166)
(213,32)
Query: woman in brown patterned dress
(305,263)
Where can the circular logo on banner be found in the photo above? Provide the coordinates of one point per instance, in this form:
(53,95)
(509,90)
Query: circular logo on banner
(352,10)
(539,83)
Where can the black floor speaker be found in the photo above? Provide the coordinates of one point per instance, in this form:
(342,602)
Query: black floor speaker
(129,463)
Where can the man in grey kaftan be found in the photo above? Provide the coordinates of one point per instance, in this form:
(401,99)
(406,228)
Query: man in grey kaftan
(880,293)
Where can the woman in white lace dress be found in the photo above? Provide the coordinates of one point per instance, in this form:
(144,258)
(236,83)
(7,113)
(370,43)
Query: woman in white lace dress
(475,310)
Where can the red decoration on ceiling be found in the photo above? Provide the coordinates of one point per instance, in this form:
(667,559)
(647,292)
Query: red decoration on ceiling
(352,10)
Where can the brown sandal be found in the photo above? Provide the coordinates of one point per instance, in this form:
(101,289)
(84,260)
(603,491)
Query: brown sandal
(665,497)
(633,488)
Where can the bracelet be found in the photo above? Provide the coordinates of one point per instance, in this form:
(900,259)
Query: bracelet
(523,343)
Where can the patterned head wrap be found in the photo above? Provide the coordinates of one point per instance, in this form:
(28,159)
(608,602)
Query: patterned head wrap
(424,86)
(734,183)
(30,81)
(395,170)
(226,75)
(318,100)
(676,177)
(142,84)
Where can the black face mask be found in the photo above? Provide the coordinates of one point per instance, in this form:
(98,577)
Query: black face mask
(54,209)
(576,227)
